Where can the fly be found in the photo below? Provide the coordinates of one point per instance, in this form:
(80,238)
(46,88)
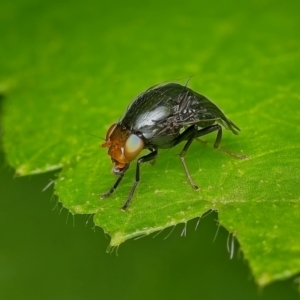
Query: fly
(160,118)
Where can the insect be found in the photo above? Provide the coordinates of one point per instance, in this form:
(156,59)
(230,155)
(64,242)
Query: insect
(160,118)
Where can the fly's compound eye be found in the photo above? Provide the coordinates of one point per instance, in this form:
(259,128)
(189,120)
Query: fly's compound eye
(133,146)
(110,131)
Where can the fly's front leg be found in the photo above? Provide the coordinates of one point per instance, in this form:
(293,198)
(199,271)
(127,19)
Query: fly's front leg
(113,188)
(149,157)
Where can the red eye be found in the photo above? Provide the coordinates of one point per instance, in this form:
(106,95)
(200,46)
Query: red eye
(110,131)
(133,146)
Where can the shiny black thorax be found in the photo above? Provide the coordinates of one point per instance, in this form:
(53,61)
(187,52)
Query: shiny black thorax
(160,114)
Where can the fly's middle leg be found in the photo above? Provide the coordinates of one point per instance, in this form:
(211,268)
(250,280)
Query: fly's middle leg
(189,134)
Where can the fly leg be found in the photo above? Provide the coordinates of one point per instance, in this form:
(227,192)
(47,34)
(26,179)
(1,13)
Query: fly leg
(189,134)
(148,157)
(218,141)
(210,129)
(113,188)
(198,139)
(192,133)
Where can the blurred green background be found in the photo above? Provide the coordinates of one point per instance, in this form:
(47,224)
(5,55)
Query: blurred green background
(111,49)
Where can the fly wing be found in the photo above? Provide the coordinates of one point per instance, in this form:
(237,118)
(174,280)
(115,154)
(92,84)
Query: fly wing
(149,101)
(186,107)
(197,109)
(172,105)
(148,112)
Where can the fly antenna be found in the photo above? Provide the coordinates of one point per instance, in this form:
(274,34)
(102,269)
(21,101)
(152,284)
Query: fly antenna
(189,78)
(96,136)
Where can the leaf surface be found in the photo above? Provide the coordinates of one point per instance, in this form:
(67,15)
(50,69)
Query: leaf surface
(67,73)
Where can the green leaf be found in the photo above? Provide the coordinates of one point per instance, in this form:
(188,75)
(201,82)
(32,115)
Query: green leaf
(71,69)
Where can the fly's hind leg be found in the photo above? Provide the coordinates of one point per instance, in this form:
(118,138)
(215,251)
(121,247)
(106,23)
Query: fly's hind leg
(218,141)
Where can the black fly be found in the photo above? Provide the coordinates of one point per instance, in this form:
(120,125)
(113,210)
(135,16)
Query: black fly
(162,117)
